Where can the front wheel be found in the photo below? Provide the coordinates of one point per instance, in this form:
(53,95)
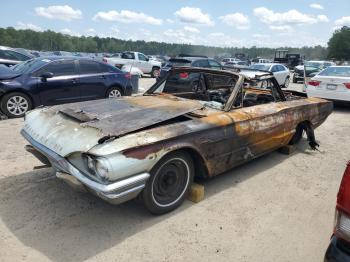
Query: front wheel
(169,183)
(15,104)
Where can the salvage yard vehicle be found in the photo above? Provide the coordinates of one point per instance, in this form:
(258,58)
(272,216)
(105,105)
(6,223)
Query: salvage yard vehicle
(280,72)
(135,59)
(11,56)
(310,69)
(339,247)
(58,80)
(193,123)
(332,83)
(189,61)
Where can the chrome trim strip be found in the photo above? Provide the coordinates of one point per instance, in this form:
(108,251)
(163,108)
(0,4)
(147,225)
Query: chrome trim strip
(113,190)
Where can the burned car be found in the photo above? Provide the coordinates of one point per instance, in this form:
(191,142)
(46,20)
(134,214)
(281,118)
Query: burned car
(194,122)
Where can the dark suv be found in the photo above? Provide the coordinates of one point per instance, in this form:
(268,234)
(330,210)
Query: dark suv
(58,80)
(189,62)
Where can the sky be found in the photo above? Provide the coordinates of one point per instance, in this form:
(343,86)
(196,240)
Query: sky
(223,23)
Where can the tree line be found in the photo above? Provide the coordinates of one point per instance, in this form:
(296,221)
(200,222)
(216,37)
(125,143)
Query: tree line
(53,41)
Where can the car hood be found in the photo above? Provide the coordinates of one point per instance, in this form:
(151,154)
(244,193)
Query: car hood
(7,73)
(80,126)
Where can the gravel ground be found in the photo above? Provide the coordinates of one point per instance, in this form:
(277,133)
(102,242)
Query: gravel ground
(275,208)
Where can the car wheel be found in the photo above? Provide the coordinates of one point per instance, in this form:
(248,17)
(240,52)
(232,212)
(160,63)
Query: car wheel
(286,82)
(114,92)
(169,183)
(155,72)
(15,104)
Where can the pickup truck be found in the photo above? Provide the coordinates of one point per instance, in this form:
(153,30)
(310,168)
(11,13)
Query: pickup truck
(135,59)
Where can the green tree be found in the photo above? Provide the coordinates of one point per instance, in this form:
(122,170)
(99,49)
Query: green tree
(339,44)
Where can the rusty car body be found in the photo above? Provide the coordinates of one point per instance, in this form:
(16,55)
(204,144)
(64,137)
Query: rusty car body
(193,122)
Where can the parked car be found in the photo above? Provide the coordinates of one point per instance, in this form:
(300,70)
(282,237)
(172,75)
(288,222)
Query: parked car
(195,122)
(332,83)
(339,247)
(10,56)
(310,67)
(260,61)
(57,80)
(280,72)
(229,60)
(197,61)
(137,60)
(240,64)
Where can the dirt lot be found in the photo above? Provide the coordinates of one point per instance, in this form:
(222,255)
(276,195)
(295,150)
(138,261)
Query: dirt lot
(276,208)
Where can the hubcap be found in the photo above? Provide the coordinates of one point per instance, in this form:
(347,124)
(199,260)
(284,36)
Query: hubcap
(156,73)
(286,83)
(114,93)
(170,182)
(17,105)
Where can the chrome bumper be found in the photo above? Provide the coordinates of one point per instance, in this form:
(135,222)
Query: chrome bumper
(115,193)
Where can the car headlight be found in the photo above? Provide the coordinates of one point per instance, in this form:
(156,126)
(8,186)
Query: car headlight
(98,166)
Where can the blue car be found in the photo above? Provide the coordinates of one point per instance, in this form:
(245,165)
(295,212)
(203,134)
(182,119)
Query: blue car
(58,80)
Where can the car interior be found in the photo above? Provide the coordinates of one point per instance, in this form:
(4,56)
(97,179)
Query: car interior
(217,89)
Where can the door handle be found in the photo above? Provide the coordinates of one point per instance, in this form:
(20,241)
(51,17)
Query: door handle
(102,77)
(74,81)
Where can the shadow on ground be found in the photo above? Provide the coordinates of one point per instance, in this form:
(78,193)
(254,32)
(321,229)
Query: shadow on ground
(45,214)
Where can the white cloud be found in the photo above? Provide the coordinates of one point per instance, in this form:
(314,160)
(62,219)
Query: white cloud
(170,21)
(191,29)
(67,31)
(237,20)
(126,16)
(91,30)
(316,6)
(290,17)
(285,28)
(322,18)
(21,25)
(115,29)
(345,20)
(260,36)
(61,12)
(193,15)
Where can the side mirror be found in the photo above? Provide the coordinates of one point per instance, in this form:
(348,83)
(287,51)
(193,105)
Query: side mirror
(147,59)
(46,75)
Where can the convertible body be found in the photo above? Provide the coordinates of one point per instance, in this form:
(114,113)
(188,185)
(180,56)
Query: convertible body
(220,119)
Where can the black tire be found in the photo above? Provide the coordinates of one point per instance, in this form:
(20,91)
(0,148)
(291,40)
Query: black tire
(169,184)
(155,72)
(114,90)
(286,82)
(15,104)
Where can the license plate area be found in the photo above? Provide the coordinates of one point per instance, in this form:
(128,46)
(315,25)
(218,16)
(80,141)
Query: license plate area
(331,87)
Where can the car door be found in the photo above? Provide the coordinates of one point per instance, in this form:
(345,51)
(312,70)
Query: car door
(62,87)
(92,80)
(143,63)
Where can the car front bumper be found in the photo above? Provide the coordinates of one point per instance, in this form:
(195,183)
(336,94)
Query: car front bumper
(337,251)
(115,193)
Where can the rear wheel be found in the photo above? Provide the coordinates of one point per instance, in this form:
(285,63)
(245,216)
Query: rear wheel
(155,72)
(15,104)
(114,92)
(169,183)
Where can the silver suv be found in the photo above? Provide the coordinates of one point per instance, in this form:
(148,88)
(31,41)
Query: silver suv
(10,56)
